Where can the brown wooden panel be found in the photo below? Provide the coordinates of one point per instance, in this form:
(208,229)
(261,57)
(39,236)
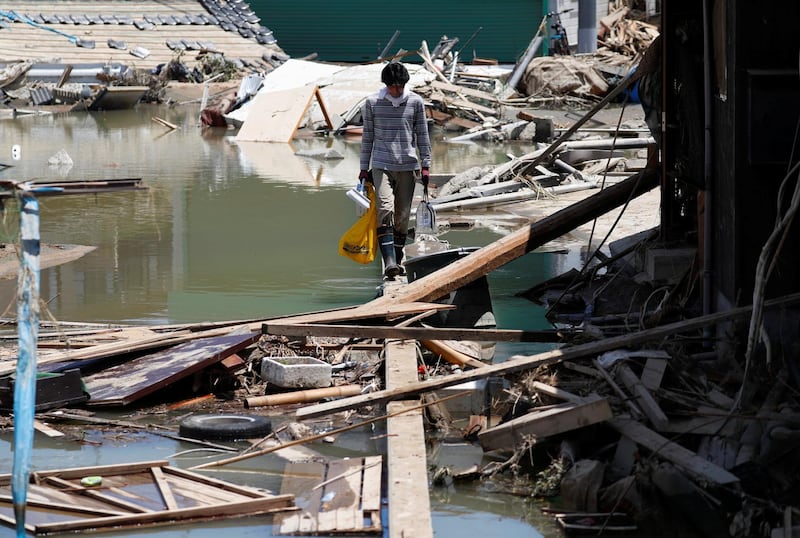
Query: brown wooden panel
(128,382)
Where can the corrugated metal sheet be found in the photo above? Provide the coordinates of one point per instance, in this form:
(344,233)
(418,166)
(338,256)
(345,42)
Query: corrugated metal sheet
(358,30)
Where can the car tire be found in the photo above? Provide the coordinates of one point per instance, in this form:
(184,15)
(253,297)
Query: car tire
(225,427)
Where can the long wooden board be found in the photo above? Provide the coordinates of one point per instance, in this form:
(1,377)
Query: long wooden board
(132,496)
(510,247)
(409,333)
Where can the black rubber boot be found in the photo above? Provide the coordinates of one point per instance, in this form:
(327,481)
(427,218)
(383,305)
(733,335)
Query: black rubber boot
(386,244)
(399,245)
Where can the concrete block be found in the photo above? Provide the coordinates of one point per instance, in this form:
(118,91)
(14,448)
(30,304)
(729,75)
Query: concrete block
(668,264)
(296,372)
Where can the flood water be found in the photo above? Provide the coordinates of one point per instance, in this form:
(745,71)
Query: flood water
(229,231)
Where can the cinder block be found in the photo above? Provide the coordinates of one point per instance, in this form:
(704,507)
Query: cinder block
(296,372)
(668,264)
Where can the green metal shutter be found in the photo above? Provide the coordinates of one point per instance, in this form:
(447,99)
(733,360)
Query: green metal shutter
(358,30)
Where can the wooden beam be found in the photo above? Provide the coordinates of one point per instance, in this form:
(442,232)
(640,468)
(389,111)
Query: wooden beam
(699,467)
(541,424)
(510,247)
(370,310)
(163,488)
(248,507)
(643,398)
(408,333)
(520,362)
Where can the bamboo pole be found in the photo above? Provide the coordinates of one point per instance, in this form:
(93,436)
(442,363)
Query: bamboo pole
(302,396)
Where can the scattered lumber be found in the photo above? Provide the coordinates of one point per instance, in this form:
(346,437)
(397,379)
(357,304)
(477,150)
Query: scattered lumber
(519,363)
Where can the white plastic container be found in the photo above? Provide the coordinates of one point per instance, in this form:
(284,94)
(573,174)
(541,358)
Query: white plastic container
(359,196)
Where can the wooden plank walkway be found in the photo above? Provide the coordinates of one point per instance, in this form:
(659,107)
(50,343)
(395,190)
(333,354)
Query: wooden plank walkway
(409,498)
(340,497)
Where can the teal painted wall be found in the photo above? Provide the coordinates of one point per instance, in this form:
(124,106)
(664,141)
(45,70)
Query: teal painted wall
(358,30)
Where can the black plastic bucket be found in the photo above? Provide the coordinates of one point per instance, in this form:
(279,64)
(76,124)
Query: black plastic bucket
(472,301)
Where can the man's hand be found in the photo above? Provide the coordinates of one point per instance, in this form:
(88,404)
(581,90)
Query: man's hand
(426,176)
(363,175)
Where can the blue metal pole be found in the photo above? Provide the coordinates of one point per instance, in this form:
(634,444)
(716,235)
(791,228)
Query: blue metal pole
(28,333)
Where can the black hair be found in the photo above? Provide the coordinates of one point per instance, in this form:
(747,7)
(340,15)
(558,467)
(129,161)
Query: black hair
(395,74)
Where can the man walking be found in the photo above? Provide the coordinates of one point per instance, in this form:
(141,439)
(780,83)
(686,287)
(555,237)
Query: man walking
(395,144)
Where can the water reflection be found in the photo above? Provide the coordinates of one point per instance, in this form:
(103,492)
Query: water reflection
(226,229)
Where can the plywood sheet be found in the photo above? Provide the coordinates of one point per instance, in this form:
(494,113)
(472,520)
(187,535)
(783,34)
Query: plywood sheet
(127,382)
(275,116)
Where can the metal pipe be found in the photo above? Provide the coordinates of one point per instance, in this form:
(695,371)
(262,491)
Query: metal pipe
(587,26)
(708,250)
(389,44)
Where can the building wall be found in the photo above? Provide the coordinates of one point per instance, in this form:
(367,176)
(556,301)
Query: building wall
(358,30)
(570,19)
(754,135)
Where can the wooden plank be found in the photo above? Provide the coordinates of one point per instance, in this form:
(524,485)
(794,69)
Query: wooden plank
(195,494)
(132,380)
(276,115)
(63,507)
(401,363)
(323,108)
(99,470)
(218,484)
(642,396)
(163,488)
(536,425)
(409,512)
(684,458)
(485,260)
(409,501)
(299,480)
(392,310)
(96,495)
(339,499)
(653,373)
(40,426)
(410,333)
(371,485)
(519,362)
(184,515)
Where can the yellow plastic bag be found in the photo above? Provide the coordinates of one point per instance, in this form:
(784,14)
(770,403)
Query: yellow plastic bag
(360,242)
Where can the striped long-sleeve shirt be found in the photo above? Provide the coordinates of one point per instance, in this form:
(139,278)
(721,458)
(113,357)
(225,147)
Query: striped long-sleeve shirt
(391,133)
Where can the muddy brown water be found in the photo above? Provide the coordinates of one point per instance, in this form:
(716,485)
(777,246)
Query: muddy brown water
(234,231)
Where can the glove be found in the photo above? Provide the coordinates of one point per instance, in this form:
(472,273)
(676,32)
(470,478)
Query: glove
(363,175)
(426,176)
